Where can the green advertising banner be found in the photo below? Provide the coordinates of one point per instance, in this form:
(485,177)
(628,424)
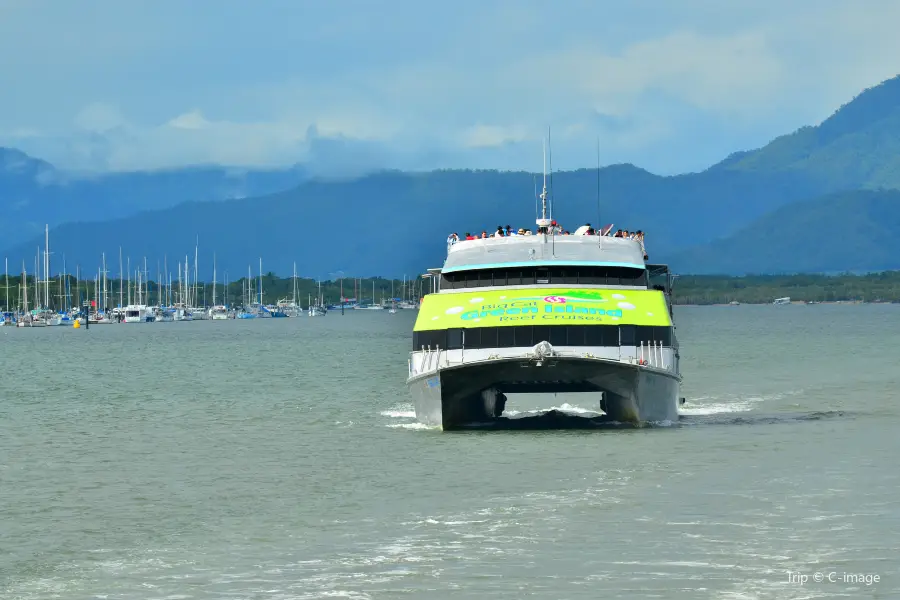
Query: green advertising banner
(537,306)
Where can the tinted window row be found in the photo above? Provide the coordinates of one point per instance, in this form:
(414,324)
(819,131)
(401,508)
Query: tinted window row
(545,275)
(557,335)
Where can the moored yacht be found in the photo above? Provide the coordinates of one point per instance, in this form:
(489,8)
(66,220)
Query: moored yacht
(218,313)
(163,314)
(182,313)
(545,313)
(138,313)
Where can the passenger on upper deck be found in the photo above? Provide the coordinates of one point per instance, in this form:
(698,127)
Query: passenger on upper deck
(554,229)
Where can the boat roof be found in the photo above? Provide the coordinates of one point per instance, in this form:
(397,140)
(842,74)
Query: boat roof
(543,250)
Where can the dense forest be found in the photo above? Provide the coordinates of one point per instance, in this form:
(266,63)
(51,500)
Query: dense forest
(762,289)
(688,289)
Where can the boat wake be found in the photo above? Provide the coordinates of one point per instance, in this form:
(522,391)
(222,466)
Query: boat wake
(710,411)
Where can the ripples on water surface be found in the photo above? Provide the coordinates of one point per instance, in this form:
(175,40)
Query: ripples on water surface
(280,459)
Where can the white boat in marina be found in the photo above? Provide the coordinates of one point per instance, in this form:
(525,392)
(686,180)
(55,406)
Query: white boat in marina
(139,313)
(317,307)
(373,305)
(29,320)
(182,313)
(163,314)
(218,313)
(780,301)
(52,319)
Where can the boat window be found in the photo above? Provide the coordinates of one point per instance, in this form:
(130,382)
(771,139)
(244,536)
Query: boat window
(489,337)
(506,337)
(558,336)
(540,333)
(472,338)
(484,278)
(514,277)
(542,276)
(454,339)
(524,335)
(574,335)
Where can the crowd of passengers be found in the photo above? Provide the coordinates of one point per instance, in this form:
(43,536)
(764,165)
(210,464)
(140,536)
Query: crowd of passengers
(553,229)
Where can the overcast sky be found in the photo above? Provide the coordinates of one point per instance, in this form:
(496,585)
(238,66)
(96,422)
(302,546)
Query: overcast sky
(671,86)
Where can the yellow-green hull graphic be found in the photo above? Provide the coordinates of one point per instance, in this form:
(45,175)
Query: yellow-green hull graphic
(537,306)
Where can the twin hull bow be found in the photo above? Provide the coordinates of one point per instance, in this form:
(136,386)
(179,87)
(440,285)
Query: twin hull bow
(473,348)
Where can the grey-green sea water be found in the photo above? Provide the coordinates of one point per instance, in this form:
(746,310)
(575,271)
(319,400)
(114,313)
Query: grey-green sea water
(279,459)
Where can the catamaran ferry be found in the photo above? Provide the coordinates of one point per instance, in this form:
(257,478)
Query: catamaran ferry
(545,313)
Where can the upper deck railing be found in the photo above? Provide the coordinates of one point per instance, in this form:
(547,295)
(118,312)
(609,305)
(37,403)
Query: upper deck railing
(544,249)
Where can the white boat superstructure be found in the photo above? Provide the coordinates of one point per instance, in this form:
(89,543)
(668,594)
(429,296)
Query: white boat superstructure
(218,313)
(138,313)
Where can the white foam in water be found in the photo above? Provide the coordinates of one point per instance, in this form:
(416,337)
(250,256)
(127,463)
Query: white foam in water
(715,405)
(566,407)
(411,426)
(400,411)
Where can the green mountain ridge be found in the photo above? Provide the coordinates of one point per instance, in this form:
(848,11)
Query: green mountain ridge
(858,147)
(843,232)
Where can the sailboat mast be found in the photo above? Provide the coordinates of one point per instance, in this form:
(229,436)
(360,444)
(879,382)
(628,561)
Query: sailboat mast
(196,269)
(121,277)
(544,190)
(105,299)
(260,291)
(63,297)
(25,287)
(46,266)
(214,279)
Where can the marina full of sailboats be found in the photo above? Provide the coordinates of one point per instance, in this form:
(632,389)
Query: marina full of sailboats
(38,297)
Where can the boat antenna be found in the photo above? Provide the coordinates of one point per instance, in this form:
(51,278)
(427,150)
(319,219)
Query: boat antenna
(534,180)
(599,222)
(543,222)
(550,160)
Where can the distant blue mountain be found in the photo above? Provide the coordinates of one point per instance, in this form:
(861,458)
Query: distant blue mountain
(395,223)
(34,193)
(845,232)
(391,223)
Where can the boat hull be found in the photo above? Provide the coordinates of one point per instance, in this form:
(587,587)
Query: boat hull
(455,396)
